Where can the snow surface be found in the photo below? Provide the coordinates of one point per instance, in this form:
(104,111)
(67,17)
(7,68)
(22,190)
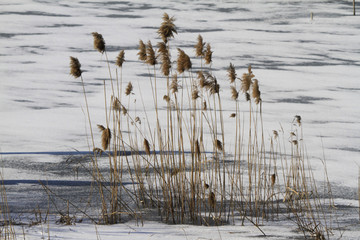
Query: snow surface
(305,67)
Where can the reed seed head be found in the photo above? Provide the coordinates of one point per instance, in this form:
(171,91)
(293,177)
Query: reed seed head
(203,83)
(212,200)
(273,179)
(151,58)
(247,96)
(105,136)
(197,150)
(206,186)
(146,146)
(120,58)
(276,134)
(142,51)
(195,93)
(137,119)
(99,43)
(167,28)
(219,145)
(231,73)
(183,61)
(116,104)
(233,115)
(174,86)
(208,54)
(256,92)
(124,110)
(165,58)
(166,98)
(75,67)
(204,105)
(298,119)
(129,89)
(234,93)
(199,47)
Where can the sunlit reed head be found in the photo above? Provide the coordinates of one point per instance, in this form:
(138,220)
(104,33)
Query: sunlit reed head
(167,28)
(120,58)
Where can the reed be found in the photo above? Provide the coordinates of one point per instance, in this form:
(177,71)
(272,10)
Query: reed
(184,176)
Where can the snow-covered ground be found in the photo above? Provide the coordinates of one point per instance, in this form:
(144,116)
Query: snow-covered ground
(307,67)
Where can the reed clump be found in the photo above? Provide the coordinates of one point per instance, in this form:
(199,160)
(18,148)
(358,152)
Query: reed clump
(183,165)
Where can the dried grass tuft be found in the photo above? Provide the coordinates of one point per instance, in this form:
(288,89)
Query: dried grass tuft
(199,47)
(75,67)
(183,61)
(105,136)
(151,58)
(129,89)
(146,146)
(165,58)
(99,43)
(256,92)
(234,93)
(298,119)
(120,58)
(167,28)
(212,200)
(204,105)
(219,145)
(232,73)
(142,51)
(166,98)
(273,179)
(208,54)
(174,86)
(195,93)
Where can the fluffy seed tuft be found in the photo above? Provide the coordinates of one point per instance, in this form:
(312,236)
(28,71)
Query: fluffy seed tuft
(99,43)
(75,67)
(120,58)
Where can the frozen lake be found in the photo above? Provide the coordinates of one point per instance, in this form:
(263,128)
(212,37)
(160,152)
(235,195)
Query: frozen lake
(307,67)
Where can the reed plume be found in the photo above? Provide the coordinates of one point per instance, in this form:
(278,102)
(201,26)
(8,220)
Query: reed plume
(298,119)
(276,134)
(142,51)
(99,43)
(195,93)
(219,145)
(232,115)
(208,54)
(273,179)
(212,200)
(246,82)
(105,136)
(166,98)
(116,104)
(151,57)
(75,66)
(183,61)
(124,110)
(165,58)
(234,93)
(197,149)
(167,28)
(256,92)
(120,58)
(204,105)
(129,89)
(199,47)
(231,73)
(203,83)
(146,146)
(174,86)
